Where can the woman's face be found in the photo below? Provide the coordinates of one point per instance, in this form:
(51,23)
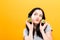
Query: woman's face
(37,16)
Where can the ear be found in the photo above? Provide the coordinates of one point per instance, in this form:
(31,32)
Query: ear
(31,17)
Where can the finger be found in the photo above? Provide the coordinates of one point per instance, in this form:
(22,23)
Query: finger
(45,24)
(27,20)
(32,23)
(27,23)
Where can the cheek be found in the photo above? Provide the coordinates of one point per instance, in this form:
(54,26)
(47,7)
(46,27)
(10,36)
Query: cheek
(33,17)
(40,18)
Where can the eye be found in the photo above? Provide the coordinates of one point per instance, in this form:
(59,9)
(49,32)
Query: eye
(35,14)
(40,15)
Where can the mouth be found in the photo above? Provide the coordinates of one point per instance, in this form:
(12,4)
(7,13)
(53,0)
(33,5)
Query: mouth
(37,20)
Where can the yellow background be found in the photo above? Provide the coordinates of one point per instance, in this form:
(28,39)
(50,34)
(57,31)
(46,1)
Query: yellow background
(13,14)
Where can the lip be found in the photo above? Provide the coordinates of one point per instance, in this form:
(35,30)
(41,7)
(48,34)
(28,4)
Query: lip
(37,20)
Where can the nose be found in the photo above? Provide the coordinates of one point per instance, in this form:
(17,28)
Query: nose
(37,17)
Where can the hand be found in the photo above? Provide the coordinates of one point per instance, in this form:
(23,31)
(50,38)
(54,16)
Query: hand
(43,27)
(30,26)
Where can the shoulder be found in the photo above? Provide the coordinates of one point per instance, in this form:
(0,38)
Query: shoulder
(48,28)
(25,32)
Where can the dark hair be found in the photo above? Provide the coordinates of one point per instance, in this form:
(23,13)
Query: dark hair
(37,28)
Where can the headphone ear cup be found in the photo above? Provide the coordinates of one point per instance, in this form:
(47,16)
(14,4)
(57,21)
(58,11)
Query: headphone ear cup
(29,20)
(42,22)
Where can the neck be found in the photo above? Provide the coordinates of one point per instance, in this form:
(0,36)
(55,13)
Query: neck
(35,25)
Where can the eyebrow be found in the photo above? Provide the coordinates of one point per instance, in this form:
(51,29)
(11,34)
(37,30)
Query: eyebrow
(41,14)
(37,13)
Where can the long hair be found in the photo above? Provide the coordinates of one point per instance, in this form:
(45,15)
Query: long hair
(38,26)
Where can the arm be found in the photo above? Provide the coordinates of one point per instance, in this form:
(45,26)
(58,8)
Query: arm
(47,35)
(29,37)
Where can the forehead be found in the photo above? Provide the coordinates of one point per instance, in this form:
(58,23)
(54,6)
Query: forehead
(38,11)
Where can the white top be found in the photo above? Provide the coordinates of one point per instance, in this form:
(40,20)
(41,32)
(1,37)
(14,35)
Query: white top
(25,33)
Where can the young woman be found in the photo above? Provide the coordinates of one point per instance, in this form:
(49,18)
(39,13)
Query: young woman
(35,30)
